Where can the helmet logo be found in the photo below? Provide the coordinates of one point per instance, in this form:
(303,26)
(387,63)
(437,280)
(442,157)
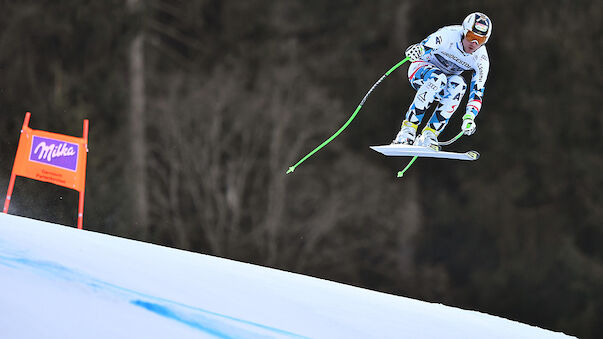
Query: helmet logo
(481,24)
(481,27)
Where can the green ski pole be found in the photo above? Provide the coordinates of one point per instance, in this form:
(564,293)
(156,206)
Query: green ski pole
(292,168)
(401,173)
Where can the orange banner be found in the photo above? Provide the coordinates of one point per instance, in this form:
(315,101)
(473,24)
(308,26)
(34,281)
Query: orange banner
(51,157)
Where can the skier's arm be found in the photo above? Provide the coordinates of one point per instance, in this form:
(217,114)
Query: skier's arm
(478,84)
(473,106)
(476,95)
(417,51)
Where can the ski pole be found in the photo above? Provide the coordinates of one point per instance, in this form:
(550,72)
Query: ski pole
(292,168)
(446,143)
(401,173)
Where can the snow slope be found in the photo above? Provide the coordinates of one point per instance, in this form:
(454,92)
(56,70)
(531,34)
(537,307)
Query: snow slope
(61,282)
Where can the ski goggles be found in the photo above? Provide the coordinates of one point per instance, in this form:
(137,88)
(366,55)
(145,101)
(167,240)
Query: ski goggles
(480,39)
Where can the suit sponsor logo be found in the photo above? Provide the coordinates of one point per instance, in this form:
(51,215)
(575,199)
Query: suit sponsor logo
(456,59)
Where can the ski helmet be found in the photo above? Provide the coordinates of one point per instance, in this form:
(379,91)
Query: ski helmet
(477,27)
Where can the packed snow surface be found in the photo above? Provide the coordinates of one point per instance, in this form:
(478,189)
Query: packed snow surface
(61,282)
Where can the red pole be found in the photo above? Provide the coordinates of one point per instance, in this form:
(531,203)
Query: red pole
(26,121)
(9,193)
(11,184)
(80,209)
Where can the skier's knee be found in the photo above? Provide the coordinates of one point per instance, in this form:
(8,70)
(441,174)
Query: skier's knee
(456,85)
(437,82)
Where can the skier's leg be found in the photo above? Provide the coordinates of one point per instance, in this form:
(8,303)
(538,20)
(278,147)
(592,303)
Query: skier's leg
(449,102)
(453,94)
(428,80)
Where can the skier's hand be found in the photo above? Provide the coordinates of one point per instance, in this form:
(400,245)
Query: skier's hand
(415,52)
(469,126)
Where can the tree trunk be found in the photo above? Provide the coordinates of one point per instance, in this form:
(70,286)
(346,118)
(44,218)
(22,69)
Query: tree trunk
(137,128)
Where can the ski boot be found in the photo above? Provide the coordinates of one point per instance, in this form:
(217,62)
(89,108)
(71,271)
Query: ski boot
(407,134)
(429,139)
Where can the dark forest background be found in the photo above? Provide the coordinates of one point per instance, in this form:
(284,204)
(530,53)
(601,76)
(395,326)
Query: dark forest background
(197,109)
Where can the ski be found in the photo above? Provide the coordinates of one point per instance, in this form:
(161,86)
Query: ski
(424,152)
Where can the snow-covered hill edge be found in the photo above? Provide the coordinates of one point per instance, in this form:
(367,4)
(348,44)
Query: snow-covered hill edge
(61,282)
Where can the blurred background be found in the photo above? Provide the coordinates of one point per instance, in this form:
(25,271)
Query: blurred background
(197,109)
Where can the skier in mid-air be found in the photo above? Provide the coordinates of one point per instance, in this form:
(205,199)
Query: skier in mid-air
(437,63)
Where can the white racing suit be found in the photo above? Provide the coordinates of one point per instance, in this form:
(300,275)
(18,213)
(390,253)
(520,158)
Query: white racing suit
(436,77)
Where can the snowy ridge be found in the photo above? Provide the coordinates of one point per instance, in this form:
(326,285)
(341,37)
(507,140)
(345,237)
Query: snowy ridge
(60,282)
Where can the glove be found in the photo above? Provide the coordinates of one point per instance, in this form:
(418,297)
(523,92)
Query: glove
(415,52)
(469,126)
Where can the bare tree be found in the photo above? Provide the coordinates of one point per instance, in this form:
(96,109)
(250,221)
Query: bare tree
(222,141)
(220,152)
